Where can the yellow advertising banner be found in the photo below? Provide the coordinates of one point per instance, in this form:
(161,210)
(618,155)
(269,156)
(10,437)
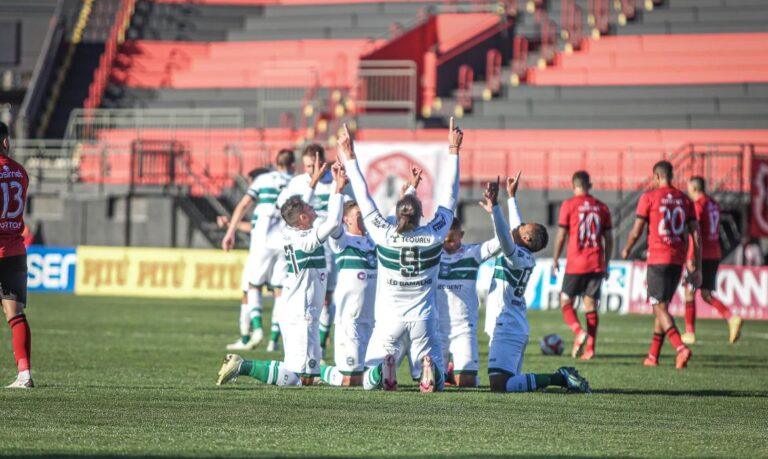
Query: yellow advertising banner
(169,273)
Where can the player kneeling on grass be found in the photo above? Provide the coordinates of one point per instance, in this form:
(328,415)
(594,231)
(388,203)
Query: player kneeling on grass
(510,278)
(303,295)
(355,296)
(409,260)
(458,303)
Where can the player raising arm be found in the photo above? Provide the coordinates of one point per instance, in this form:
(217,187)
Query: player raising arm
(670,217)
(303,295)
(586,222)
(13,259)
(510,279)
(409,260)
(458,303)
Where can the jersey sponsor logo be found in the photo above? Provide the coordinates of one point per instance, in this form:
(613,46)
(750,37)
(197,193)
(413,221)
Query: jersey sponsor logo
(399,239)
(380,222)
(440,224)
(8,173)
(449,287)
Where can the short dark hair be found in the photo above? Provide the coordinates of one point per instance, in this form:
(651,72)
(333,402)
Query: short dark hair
(539,237)
(313,149)
(291,210)
(348,206)
(253,173)
(456,224)
(699,183)
(581,180)
(4,131)
(663,168)
(285,158)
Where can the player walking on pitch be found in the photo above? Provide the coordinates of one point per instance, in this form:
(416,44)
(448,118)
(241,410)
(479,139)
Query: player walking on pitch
(409,259)
(513,268)
(586,222)
(669,214)
(708,216)
(303,295)
(13,259)
(265,264)
(458,303)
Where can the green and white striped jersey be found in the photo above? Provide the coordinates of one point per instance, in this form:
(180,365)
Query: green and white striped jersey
(356,265)
(305,284)
(457,280)
(266,215)
(506,297)
(317,198)
(408,262)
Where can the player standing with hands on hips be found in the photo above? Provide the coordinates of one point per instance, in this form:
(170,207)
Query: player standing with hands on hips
(13,258)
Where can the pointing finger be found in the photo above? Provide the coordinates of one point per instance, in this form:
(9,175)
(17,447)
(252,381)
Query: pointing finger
(451,125)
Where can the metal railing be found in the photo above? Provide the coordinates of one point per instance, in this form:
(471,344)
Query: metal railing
(53,162)
(85,125)
(387,86)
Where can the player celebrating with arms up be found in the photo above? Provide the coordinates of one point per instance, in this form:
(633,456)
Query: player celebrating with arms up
(13,258)
(668,213)
(303,295)
(586,222)
(708,216)
(409,260)
(510,279)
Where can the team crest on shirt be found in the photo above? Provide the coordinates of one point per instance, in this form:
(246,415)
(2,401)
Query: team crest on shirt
(445,269)
(371,259)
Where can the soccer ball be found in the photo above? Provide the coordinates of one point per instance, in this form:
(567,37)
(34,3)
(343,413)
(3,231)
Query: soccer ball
(552,345)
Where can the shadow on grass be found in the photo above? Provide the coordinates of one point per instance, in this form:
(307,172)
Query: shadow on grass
(685,393)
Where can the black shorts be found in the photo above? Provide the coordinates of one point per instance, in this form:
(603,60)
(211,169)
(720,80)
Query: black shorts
(13,278)
(586,284)
(708,275)
(662,282)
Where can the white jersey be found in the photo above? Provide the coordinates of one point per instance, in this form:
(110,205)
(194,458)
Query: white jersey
(355,294)
(266,221)
(304,286)
(457,280)
(510,276)
(317,198)
(408,263)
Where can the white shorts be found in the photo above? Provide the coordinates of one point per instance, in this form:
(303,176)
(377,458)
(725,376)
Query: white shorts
(263,267)
(414,340)
(505,355)
(350,343)
(459,338)
(301,341)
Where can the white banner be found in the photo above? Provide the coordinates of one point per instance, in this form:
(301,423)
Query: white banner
(387,166)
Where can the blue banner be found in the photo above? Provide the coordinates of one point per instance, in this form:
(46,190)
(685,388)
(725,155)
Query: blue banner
(51,269)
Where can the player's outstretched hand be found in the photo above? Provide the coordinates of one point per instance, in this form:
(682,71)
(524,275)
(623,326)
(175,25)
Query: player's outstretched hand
(455,137)
(512,184)
(320,169)
(339,176)
(490,196)
(228,243)
(346,149)
(413,181)
(555,268)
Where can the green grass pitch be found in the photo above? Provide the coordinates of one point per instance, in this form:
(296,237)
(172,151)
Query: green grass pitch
(135,377)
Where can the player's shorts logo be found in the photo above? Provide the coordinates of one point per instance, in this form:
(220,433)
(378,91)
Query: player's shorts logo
(312,363)
(351,361)
(322,276)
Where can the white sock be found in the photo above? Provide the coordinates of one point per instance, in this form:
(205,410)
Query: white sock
(521,383)
(25,375)
(372,378)
(284,377)
(245,320)
(331,375)
(254,302)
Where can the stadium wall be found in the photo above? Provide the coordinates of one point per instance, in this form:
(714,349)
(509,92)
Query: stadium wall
(215,274)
